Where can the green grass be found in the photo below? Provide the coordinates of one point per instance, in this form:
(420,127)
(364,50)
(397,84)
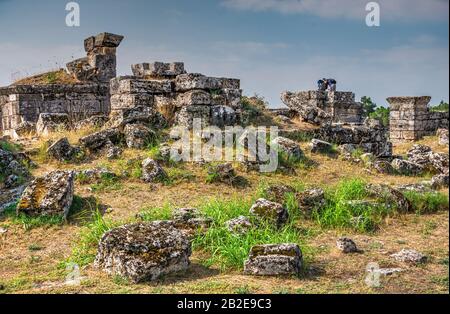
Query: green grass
(227,250)
(425,203)
(357,153)
(292,162)
(223,248)
(29,222)
(85,249)
(156,213)
(300,136)
(108,182)
(10,147)
(338,213)
(177,175)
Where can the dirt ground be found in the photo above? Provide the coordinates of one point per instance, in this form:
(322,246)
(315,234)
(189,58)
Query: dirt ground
(33,261)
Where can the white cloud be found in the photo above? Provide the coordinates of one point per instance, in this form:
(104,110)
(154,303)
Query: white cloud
(355,9)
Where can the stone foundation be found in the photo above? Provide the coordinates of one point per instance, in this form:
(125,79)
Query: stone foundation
(410,118)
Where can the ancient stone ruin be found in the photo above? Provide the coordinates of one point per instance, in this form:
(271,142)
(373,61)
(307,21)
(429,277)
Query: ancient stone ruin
(22,105)
(321,107)
(340,120)
(156,92)
(180,97)
(411,119)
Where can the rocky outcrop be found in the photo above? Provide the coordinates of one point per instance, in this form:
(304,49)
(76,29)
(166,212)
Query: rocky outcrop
(50,195)
(25,128)
(100,63)
(52,122)
(442,135)
(240,225)
(409,256)
(143,251)
(138,136)
(12,165)
(390,196)
(278,193)
(94,122)
(100,140)
(310,200)
(288,147)
(61,150)
(152,172)
(346,245)
(190,220)
(410,118)
(369,139)
(321,107)
(224,173)
(406,167)
(274,260)
(383,166)
(319,146)
(270,211)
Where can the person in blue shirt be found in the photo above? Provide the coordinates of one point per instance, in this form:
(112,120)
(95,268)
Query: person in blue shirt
(331,85)
(322,84)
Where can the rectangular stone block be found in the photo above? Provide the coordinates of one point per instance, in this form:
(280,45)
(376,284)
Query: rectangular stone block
(85,106)
(191,81)
(193,97)
(232,97)
(127,101)
(138,86)
(187,115)
(158,69)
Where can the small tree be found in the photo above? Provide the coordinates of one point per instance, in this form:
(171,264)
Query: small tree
(443,106)
(382,114)
(368,105)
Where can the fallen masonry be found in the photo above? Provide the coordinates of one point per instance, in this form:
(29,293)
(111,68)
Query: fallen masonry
(143,251)
(50,195)
(274,260)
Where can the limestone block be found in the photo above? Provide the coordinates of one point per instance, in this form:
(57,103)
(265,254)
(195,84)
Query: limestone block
(158,69)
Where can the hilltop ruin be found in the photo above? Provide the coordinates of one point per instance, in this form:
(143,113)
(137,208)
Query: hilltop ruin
(154,91)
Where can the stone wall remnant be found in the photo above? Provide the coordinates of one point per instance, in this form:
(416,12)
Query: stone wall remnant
(89,97)
(410,118)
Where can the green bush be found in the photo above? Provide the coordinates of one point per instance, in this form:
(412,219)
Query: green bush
(442,107)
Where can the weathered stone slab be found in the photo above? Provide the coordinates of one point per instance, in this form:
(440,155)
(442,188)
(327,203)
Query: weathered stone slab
(158,69)
(274,260)
(124,101)
(49,195)
(127,85)
(143,251)
(186,82)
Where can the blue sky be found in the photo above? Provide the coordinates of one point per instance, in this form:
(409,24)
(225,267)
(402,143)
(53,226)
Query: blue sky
(271,45)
